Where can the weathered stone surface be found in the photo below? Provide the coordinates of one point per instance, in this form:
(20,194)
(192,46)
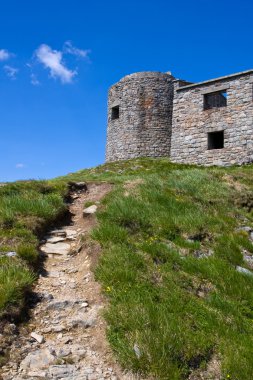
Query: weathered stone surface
(39,359)
(245,228)
(61,371)
(8,254)
(143,128)
(244,270)
(58,232)
(62,305)
(192,123)
(56,249)
(39,338)
(54,274)
(35,374)
(137,351)
(84,319)
(158,116)
(55,239)
(90,210)
(70,233)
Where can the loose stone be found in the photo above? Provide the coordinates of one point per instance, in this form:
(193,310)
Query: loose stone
(244,270)
(37,337)
(55,239)
(57,249)
(90,210)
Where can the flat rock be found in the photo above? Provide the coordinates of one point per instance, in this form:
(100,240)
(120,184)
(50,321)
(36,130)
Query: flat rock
(244,270)
(54,274)
(70,271)
(39,338)
(90,210)
(58,328)
(63,304)
(137,350)
(60,372)
(8,254)
(55,239)
(248,258)
(34,374)
(58,232)
(37,360)
(84,320)
(70,233)
(245,228)
(63,352)
(56,249)
(11,254)
(84,304)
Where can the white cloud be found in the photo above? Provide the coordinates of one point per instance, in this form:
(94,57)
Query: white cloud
(11,72)
(34,80)
(4,55)
(70,49)
(20,166)
(52,60)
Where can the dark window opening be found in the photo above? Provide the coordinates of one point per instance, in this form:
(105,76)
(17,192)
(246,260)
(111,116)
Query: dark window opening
(115,112)
(215,140)
(215,100)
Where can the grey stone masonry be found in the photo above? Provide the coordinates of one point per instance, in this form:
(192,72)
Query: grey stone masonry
(207,123)
(140,116)
(193,125)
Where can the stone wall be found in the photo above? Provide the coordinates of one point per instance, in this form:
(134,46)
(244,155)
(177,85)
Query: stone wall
(191,123)
(143,128)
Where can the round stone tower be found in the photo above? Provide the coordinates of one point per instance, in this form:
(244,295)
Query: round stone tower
(140,116)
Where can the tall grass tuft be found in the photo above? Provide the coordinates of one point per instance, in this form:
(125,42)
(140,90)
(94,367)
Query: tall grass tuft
(15,280)
(26,208)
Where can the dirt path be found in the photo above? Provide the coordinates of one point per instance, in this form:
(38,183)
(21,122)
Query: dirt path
(71,340)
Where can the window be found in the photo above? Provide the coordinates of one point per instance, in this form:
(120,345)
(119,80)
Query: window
(215,140)
(215,100)
(115,112)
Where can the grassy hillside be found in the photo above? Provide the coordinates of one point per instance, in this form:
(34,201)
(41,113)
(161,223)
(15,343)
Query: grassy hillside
(172,237)
(26,209)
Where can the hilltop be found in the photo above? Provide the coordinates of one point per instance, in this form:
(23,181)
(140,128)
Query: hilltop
(175,264)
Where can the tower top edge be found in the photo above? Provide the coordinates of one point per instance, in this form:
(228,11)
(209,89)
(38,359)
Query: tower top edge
(145,75)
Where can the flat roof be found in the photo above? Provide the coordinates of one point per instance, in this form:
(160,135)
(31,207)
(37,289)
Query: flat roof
(215,80)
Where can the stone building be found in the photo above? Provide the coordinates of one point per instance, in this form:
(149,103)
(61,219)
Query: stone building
(153,114)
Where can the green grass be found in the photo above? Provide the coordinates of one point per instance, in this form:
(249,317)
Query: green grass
(26,209)
(88,204)
(180,310)
(170,246)
(15,280)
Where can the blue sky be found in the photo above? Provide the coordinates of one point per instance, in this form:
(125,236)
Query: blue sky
(58,58)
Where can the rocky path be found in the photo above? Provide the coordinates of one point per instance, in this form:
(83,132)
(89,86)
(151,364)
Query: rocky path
(65,336)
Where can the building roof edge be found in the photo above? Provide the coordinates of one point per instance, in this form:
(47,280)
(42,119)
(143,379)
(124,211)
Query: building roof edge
(214,80)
